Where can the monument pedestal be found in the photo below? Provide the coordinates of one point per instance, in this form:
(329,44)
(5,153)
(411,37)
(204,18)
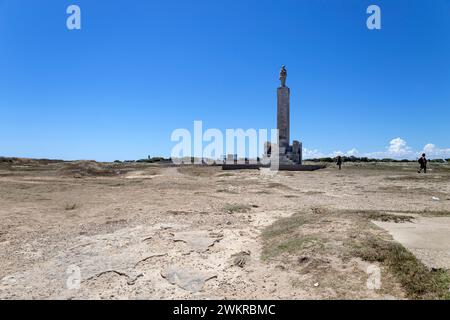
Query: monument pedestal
(283,110)
(288,155)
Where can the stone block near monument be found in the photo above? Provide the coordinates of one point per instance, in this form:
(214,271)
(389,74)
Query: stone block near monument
(290,157)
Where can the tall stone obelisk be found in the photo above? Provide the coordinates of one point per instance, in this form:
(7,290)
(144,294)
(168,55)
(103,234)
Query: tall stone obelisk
(283,106)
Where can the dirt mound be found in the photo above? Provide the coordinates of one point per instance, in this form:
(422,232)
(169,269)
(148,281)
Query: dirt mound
(92,169)
(27,161)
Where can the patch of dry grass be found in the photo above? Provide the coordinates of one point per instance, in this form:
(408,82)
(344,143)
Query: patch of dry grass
(70,206)
(277,185)
(236,208)
(93,169)
(413,275)
(426,212)
(434,213)
(226,174)
(380,216)
(285,226)
(429,177)
(227,190)
(198,170)
(389,217)
(294,245)
(308,233)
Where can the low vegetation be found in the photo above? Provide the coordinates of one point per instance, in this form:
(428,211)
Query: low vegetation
(366,159)
(349,234)
(418,281)
(236,208)
(70,206)
(92,169)
(381,215)
(198,170)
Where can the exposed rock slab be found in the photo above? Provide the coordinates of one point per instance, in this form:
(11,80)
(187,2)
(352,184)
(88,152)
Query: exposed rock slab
(197,240)
(88,258)
(187,279)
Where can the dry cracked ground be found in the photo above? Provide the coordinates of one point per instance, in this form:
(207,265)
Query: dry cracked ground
(86,230)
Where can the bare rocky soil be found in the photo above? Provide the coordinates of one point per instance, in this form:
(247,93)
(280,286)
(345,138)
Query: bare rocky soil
(86,230)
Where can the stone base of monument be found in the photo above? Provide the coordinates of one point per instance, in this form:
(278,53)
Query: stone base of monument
(281,167)
(301,167)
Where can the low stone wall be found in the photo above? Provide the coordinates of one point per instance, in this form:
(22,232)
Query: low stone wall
(281,167)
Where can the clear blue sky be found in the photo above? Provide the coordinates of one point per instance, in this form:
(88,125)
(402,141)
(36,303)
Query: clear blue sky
(137,70)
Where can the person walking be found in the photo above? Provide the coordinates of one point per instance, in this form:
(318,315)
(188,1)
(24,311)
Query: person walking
(339,161)
(423,164)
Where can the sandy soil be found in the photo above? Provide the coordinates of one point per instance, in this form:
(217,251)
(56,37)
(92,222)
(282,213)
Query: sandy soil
(142,231)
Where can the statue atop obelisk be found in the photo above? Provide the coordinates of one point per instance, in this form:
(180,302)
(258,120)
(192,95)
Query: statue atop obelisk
(283,105)
(283,75)
(288,154)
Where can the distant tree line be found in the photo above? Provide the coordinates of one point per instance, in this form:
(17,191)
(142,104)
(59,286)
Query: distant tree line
(325,159)
(148,160)
(366,159)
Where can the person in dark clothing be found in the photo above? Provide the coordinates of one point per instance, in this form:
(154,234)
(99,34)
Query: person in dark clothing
(423,163)
(339,161)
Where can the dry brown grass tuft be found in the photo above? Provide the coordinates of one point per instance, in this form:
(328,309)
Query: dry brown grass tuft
(236,208)
(70,206)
